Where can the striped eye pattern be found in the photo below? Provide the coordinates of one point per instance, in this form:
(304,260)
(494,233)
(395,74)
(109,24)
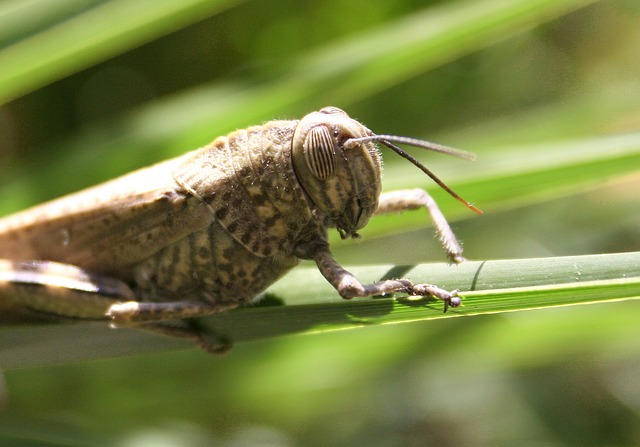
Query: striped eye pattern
(319,152)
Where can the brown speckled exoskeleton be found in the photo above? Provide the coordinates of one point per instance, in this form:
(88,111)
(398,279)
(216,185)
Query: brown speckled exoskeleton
(212,229)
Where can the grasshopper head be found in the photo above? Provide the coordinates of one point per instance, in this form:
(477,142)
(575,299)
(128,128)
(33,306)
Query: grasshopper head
(343,180)
(338,165)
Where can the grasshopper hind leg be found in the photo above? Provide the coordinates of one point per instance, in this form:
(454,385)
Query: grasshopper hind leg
(136,312)
(59,290)
(45,291)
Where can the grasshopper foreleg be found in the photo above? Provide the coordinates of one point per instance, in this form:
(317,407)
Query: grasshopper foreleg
(348,286)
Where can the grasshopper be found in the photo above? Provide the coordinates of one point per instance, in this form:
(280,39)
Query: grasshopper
(210,230)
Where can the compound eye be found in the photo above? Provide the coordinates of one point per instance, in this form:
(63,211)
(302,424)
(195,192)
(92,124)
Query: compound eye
(319,152)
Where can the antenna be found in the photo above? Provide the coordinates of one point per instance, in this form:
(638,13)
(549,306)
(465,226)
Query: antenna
(388,141)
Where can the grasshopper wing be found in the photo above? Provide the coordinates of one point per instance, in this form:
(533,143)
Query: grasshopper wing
(109,227)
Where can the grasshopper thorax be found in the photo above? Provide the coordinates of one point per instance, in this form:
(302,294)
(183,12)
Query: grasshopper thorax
(343,181)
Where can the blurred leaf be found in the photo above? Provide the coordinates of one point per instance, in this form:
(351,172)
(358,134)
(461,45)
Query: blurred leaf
(355,67)
(72,35)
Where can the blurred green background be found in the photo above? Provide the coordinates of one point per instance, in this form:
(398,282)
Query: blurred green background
(93,89)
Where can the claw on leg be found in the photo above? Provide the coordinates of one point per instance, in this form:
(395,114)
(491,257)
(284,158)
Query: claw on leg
(450,299)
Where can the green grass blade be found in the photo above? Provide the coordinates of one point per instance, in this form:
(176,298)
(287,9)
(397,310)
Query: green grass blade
(303,302)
